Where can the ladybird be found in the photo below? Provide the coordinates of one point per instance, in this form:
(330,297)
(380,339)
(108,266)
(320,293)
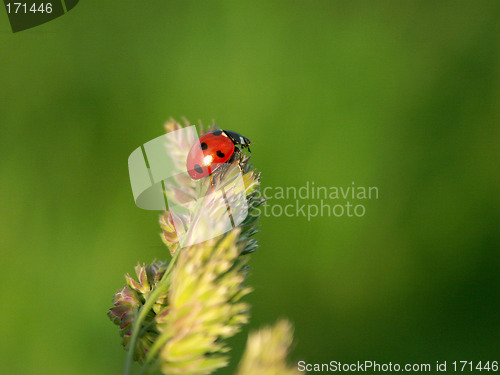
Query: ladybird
(213,150)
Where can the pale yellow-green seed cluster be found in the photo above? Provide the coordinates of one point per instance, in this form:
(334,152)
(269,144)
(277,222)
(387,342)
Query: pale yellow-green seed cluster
(267,350)
(204,307)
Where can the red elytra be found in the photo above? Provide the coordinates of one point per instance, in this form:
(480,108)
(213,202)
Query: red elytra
(211,151)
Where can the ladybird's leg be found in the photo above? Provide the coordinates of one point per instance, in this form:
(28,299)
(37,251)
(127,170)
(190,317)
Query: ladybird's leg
(220,172)
(247,146)
(238,156)
(212,183)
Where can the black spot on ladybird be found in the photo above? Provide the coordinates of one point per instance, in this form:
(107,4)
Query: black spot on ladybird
(203,146)
(197,168)
(217,132)
(220,154)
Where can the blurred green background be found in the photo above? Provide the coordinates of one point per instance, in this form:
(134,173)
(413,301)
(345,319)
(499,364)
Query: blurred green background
(404,96)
